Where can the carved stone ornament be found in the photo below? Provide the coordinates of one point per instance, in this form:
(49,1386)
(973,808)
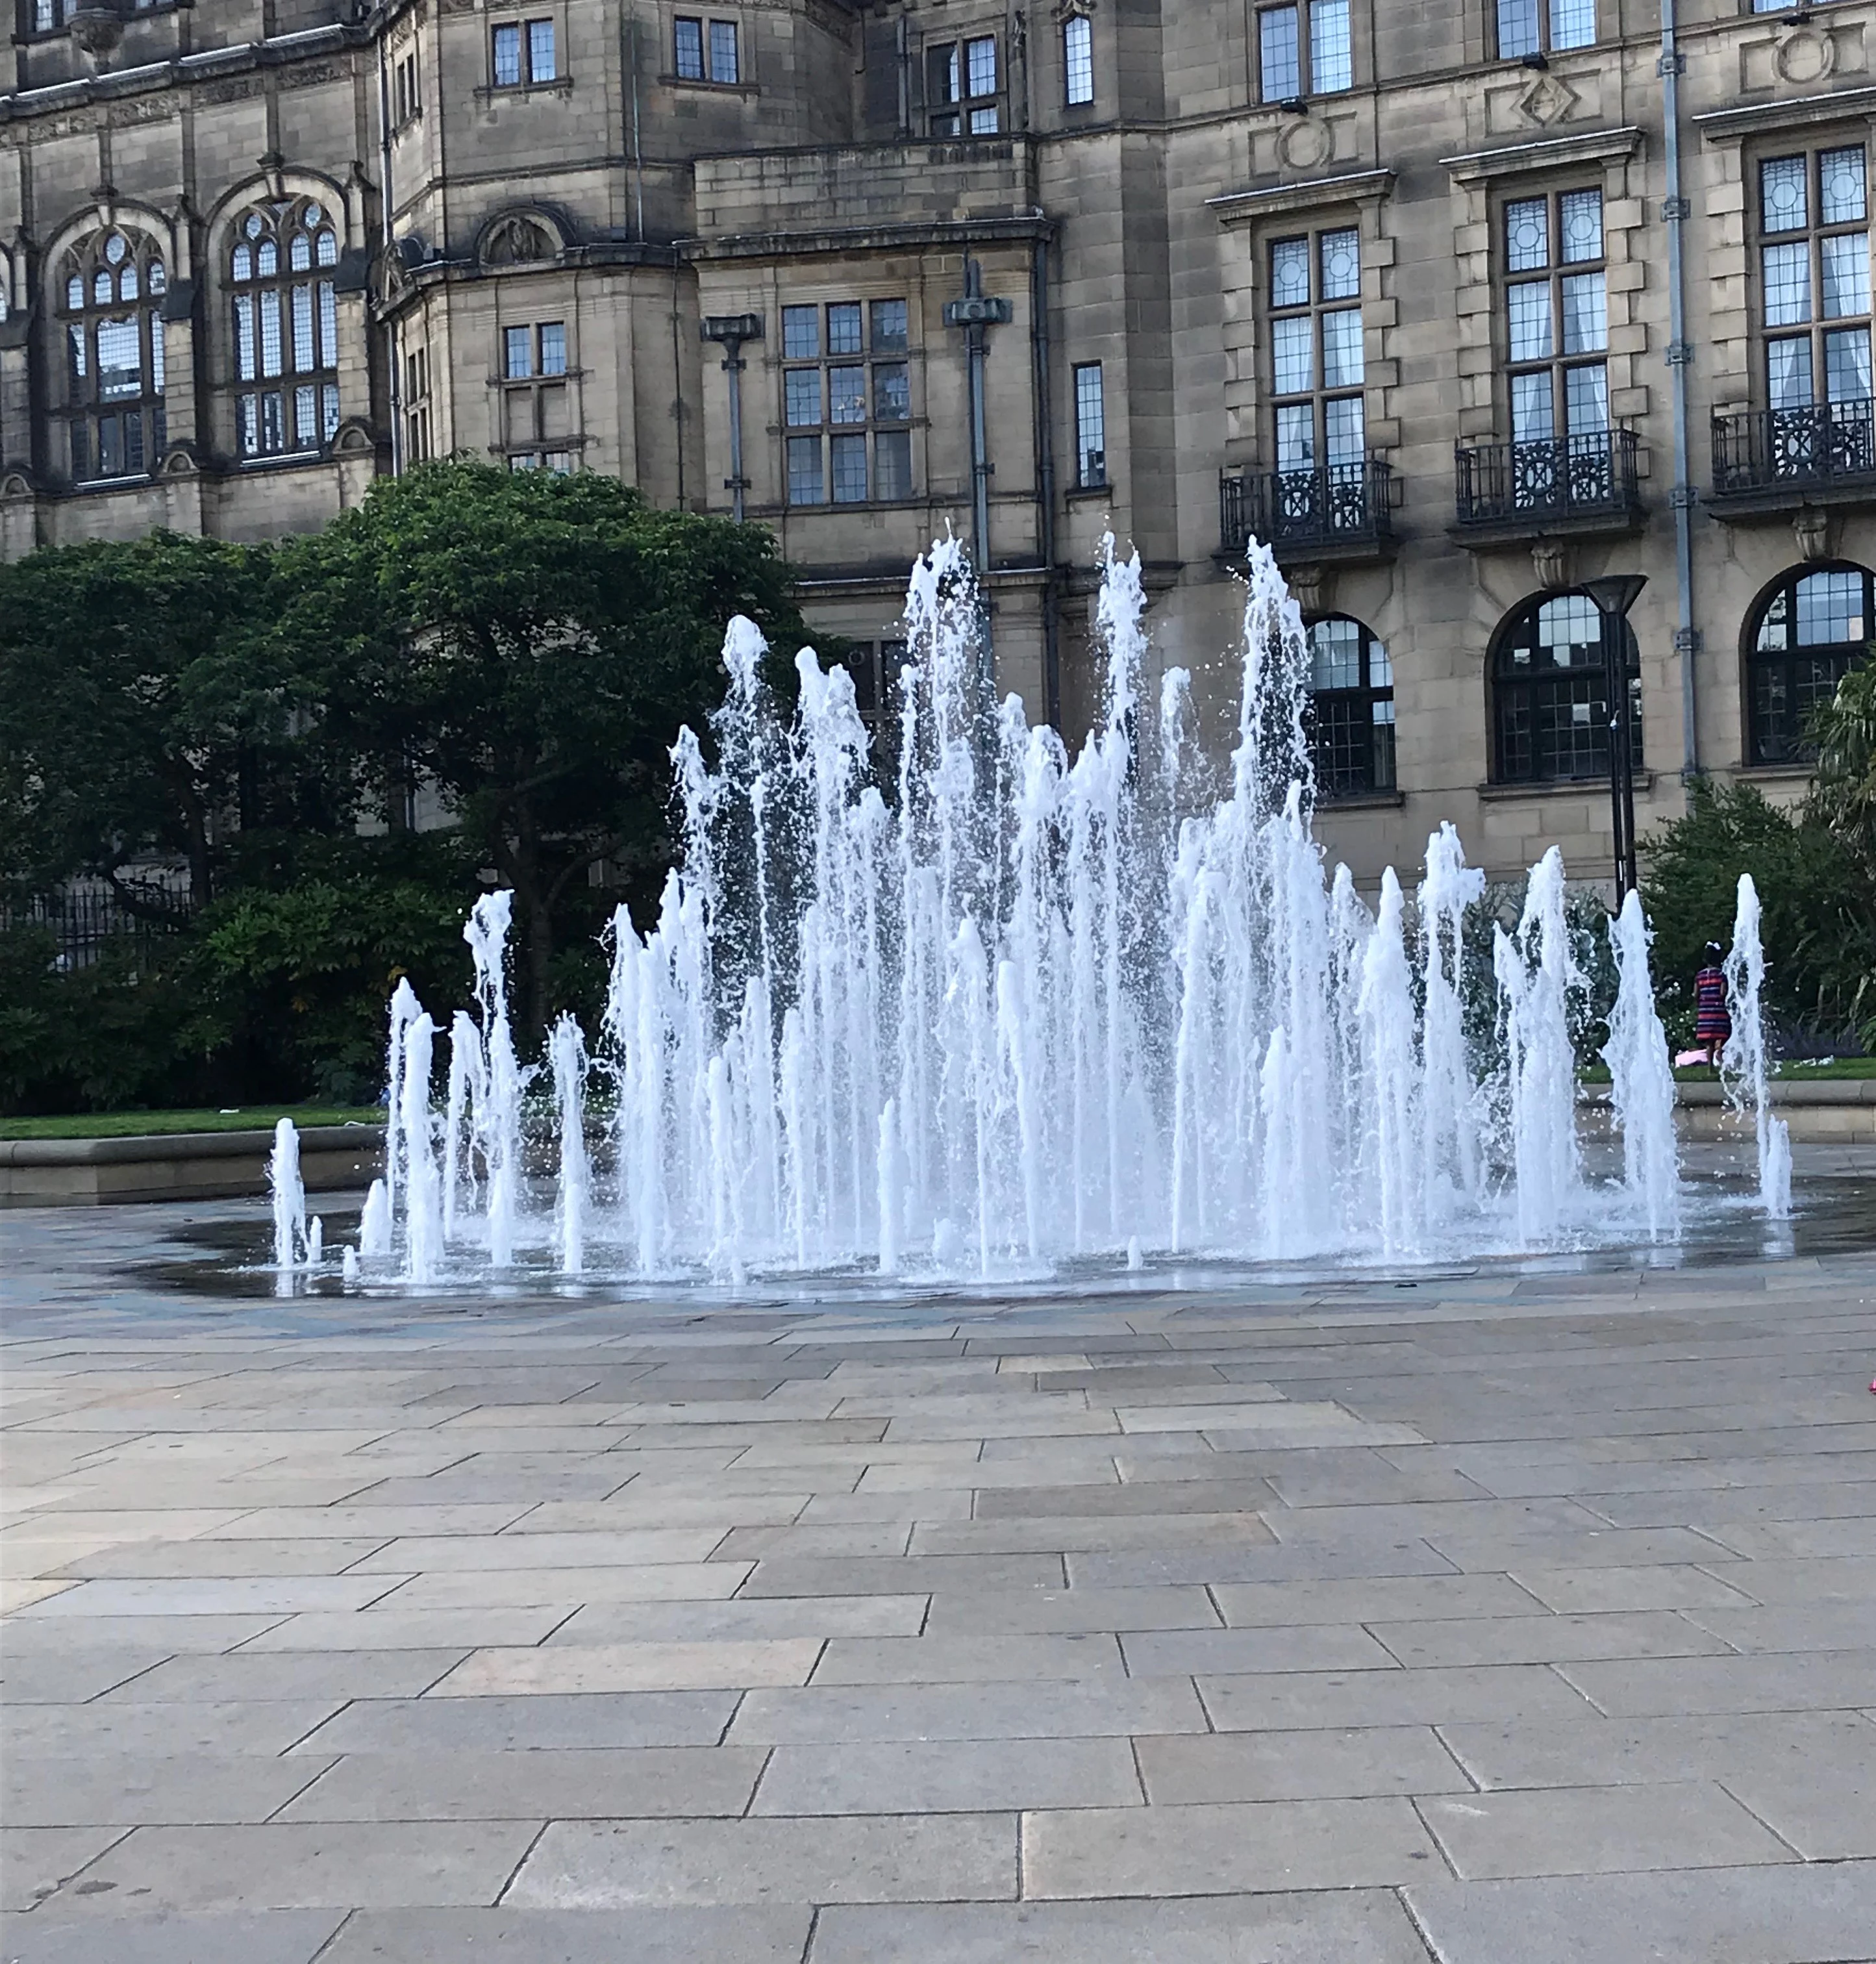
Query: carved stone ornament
(1305,145)
(516,241)
(1550,563)
(1068,10)
(97,26)
(1310,587)
(1549,99)
(1812,528)
(1804,55)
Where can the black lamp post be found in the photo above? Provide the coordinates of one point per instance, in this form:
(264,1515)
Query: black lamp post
(733,330)
(1615,594)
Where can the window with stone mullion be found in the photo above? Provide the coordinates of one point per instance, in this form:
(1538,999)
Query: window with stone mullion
(1555,318)
(1351,709)
(1304,47)
(847,403)
(114,287)
(282,271)
(1318,368)
(1813,213)
(1542,26)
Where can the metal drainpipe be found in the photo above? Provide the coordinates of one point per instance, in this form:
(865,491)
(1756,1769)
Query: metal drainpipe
(1675,210)
(391,326)
(1045,483)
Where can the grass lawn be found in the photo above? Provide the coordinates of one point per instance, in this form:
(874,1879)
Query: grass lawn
(1705,1074)
(132,1124)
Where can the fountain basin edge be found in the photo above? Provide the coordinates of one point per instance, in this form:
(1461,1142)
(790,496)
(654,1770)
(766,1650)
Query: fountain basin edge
(178,1166)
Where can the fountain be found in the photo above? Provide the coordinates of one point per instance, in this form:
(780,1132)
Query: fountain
(1034,1008)
(1742,1062)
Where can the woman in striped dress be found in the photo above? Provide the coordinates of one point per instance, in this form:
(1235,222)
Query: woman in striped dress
(1712,1025)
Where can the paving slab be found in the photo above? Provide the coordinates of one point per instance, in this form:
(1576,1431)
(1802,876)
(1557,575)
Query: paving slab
(690,1936)
(1278,1701)
(1289,1648)
(1664,1585)
(1321,1765)
(35,1861)
(250,1676)
(1588,1830)
(134,1789)
(959,1657)
(302,1866)
(948,1777)
(645,1666)
(1223,1850)
(1554,1639)
(1815,1680)
(1776,1914)
(584,1783)
(519,1724)
(889,1858)
(1045,1611)
(124,1726)
(1607,1752)
(265,1936)
(1101,1709)
(1348,1927)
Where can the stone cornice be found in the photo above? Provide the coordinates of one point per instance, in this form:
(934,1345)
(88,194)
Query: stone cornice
(1730,125)
(211,65)
(867,238)
(1240,208)
(1547,153)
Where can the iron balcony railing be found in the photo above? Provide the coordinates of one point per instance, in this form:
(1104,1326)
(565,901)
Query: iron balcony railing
(1590,475)
(1324,507)
(1817,444)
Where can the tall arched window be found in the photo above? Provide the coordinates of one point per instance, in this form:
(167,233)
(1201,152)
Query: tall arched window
(1351,709)
(286,329)
(1550,697)
(1810,631)
(112,314)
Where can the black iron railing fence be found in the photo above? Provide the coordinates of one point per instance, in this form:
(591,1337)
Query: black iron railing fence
(1814,446)
(87,917)
(1592,474)
(1326,505)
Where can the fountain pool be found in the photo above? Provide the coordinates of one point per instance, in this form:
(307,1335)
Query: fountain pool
(997,1013)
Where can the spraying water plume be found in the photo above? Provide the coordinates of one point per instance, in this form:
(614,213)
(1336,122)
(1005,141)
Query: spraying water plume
(1032,1007)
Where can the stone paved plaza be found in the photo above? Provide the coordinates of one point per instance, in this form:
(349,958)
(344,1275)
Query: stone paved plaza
(1496,1620)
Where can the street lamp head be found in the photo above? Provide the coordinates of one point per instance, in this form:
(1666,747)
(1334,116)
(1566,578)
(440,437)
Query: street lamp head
(732,327)
(1616,593)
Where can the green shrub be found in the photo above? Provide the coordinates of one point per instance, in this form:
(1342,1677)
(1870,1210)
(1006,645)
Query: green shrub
(1818,918)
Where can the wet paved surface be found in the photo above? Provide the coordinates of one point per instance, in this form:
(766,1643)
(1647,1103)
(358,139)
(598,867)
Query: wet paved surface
(1498,1619)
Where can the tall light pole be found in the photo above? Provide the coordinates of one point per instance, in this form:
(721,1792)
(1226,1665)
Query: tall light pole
(1615,594)
(733,330)
(974,312)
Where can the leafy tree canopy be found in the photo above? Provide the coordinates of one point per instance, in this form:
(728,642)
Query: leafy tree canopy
(528,643)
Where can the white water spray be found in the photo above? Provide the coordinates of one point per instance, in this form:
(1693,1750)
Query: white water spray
(1039,1006)
(1641,1081)
(566,1053)
(289,1195)
(1742,1063)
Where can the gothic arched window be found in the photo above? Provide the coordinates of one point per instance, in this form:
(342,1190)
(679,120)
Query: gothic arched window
(281,266)
(111,311)
(1351,709)
(1550,693)
(1810,631)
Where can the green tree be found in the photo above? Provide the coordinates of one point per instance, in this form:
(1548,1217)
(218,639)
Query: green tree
(138,713)
(527,644)
(1844,795)
(1817,924)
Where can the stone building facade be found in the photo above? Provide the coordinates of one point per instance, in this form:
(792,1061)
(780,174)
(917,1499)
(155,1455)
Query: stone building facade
(1464,302)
